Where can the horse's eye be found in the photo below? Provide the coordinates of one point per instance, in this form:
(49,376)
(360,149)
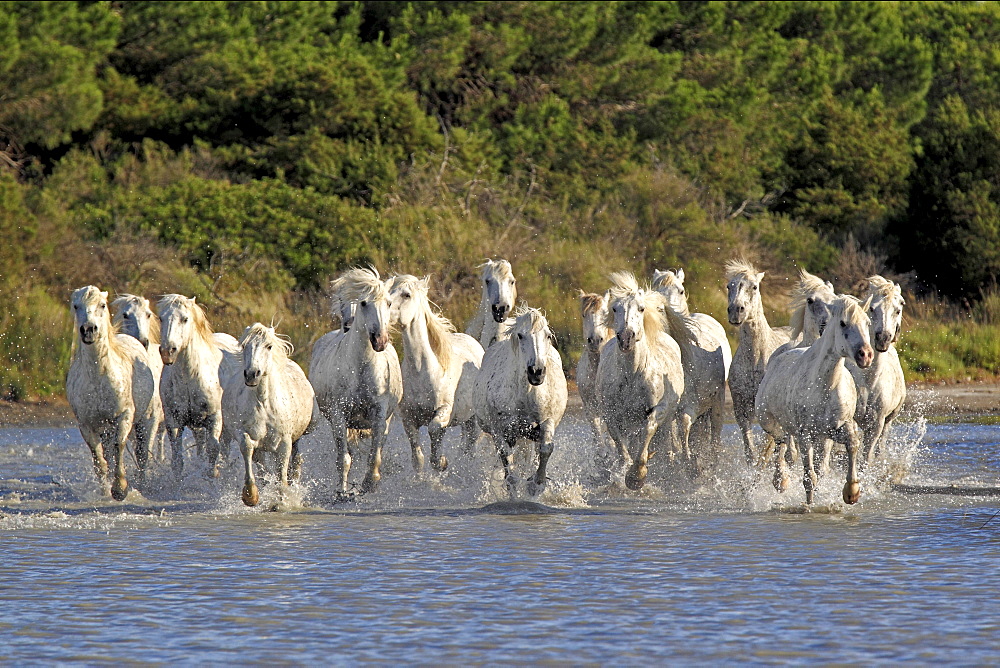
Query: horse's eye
(184,319)
(406,295)
(520,335)
(682,290)
(76,307)
(268,346)
(364,304)
(755,287)
(149,314)
(843,324)
(642,309)
(809,301)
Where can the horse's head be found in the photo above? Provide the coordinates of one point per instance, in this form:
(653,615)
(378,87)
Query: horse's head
(851,333)
(262,348)
(90,311)
(136,318)
(532,340)
(631,308)
(670,284)
(181,318)
(811,302)
(499,288)
(594,313)
(363,286)
(885,311)
(743,284)
(407,298)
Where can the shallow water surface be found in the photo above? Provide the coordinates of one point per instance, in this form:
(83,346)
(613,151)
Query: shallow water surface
(446,569)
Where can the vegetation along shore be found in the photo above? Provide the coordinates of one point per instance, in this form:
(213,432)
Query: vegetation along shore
(246,153)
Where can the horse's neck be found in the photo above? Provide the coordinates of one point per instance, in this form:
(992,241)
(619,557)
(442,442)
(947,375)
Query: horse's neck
(417,349)
(756,334)
(355,343)
(824,363)
(199,355)
(100,355)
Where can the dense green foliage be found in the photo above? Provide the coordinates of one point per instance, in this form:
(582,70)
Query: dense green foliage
(247,151)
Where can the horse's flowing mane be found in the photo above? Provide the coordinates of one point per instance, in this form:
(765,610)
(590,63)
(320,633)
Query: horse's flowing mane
(625,285)
(360,284)
(125,298)
(529,320)
(665,279)
(739,267)
(883,287)
(202,328)
(439,328)
(262,333)
(496,268)
(681,327)
(590,302)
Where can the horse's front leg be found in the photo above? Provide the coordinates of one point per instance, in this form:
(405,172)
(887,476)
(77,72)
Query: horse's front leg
(471,431)
(144,431)
(250,495)
(745,421)
(338,426)
(175,433)
(782,472)
(436,428)
(635,478)
(380,430)
(505,446)
(546,445)
(809,478)
(117,435)
(212,439)
(93,440)
(412,430)
(851,437)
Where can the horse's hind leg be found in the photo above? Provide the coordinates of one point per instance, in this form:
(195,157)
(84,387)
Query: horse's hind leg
(174,435)
(412,430)
(213,434)
(471,431)
(809,477)
(504,448)
(143,437)
(295,463)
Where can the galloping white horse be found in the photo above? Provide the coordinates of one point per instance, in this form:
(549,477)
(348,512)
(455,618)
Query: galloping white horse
(521,392)
(704,392)
(881,387)
(439,371)
(499,295)
(196,363)
(808,393)
(640,378)
(594,313)
(758,341)
(810,311)
(110,388)
(709,332)
(268,406)
(358,382)
(135,318)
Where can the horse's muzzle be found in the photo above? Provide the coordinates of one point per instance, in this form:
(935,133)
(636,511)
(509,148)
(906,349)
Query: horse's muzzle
(144,342)
(882,341)
(499,312)
(251,378)
(864,357)
(379,343)
(593,344)
(626,340)
(168,355)
(88,333)
(737,314)
(536,375)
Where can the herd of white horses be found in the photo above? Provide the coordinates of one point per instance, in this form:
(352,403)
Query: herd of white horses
(652,376)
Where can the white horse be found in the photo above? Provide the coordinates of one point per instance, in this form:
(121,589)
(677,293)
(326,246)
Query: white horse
(594,313)
(704,392)
(358,382)
(881,387)
(196,363)
(809,394)
(640,378)
(439,371)
(499,295)
(810,311)
(709,332)
(521,393)
(110,389)
(135,318)
(268,406)
(758,341)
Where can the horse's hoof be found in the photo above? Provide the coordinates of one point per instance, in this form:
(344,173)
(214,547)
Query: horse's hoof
(636,477)
(250,496)
(119,490)
(852,492)
(781,482)
(344,497)
(441,464)
(370,484)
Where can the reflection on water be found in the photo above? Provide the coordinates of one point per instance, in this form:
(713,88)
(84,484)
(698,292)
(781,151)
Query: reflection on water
(449,570)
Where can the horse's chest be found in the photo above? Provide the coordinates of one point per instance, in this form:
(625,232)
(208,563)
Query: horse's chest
(193,405)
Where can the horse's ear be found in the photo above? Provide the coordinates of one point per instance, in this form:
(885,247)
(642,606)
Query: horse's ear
(104,294)
(830,285)
(867,304)
(194,298)
(426,282)
(760,277)
(679,274)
